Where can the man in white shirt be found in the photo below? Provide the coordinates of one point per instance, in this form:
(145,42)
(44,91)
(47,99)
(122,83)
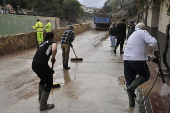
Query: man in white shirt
(135,59)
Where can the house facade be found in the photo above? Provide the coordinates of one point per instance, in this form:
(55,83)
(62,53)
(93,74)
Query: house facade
(157,19)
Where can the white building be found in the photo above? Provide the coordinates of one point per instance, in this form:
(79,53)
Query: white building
(86,9)
(91,10)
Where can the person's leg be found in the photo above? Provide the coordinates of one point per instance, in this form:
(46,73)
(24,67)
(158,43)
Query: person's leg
(142,69)
(37,70)
(111,40)
(39,38)
(114,41)
(129,72)
(42,38)
(121,45)
(48,79)
(117,44)
(67,51)
(130,76)
(63,54)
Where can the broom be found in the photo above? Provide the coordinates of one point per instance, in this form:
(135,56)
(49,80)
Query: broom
(55,85)
(75,59)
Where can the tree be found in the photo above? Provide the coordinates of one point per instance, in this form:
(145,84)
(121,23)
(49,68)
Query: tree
(27,4)
(115,5)
(107,6)
(50,6)
(130,6)
(72,10)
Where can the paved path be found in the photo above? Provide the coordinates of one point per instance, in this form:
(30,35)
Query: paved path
(91,86)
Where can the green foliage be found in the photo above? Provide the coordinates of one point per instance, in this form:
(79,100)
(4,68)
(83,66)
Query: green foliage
(107,6)
(115,5)
(142,3)
(27,4)
(64,9)
(50,6)
(72,10)
(130,6)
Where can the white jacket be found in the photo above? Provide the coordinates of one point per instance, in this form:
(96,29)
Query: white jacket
(136,45)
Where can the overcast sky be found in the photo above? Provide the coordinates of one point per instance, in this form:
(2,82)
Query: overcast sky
(92,3)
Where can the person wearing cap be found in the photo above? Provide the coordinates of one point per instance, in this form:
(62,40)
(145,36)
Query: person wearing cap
(113,33)
(121,34)
(48,26)
(135,57)
(39,28)
(131,28)
(67,39)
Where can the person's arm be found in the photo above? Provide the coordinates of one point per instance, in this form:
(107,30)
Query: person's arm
(151,41)
(34,27)
(54,50)
(46,26)
(72,36)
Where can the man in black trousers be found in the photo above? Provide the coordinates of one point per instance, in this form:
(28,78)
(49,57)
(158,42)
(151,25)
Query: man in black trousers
(121,34)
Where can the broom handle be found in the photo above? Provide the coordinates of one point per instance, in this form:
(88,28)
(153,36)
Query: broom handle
(52,65)
(74,52)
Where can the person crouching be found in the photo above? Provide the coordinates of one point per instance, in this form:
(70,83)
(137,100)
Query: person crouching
(43,70)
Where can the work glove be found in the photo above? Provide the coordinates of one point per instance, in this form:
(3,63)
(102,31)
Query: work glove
(157,54)
(71,45)
(157,57)
(53,61)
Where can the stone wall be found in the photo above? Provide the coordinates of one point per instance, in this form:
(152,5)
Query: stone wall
(18,42)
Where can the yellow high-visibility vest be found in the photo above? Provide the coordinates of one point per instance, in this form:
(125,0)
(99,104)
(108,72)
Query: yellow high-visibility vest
(48,27)
(39,27)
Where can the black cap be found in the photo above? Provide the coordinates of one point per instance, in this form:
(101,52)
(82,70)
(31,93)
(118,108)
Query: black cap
(123,20)
(131,21)
(38,20)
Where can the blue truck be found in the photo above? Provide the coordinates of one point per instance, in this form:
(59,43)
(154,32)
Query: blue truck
(102,23)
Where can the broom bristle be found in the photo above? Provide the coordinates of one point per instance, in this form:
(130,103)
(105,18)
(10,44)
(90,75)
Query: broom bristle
(76,59)
(55,85)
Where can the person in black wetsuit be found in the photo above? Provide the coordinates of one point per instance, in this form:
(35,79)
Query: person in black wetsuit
(43,70)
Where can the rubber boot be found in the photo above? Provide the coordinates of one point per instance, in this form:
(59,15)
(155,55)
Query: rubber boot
(63,62)
(138,81)
(131,98)
(43,101)
(41,88)
(66,64)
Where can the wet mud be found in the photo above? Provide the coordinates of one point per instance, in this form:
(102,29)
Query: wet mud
(93,85)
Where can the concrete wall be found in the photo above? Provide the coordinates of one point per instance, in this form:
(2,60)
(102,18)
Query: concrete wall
(157,21)
(149,19)
(13,43)
(14,24)
(164,20)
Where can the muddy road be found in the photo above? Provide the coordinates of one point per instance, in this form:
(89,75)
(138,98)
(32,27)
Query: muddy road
(90,86)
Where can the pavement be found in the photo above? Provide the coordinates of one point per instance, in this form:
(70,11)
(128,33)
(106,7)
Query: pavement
(94,85)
